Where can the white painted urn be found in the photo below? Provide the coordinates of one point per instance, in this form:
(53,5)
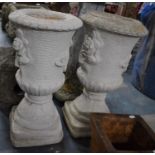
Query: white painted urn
(105,54)
(43,38)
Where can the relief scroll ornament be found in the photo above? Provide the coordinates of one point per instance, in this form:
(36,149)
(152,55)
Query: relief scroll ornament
(20,44)
(90,52)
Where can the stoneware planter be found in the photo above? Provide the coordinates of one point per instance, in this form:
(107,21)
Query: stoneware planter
(42,42)
(105,54)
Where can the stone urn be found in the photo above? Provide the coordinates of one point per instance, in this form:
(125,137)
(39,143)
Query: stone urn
(42,42)
(104,56)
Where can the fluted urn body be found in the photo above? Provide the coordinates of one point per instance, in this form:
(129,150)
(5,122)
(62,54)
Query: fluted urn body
(105,54)
(42,42)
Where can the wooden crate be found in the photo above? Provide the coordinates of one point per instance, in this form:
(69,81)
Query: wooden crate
(120,133)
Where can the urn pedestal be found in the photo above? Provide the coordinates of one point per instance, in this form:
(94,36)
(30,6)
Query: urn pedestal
(104,56)
(42,42)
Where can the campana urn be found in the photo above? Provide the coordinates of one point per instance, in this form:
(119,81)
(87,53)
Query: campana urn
(43,38)
(104,56)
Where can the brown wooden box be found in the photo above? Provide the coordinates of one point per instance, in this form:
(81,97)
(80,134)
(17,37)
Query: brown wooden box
(120,133)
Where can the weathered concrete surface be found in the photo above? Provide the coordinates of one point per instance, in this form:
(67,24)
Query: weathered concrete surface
(7,78)
(7,72)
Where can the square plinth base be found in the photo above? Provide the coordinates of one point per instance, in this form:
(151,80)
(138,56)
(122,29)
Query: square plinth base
(22,137)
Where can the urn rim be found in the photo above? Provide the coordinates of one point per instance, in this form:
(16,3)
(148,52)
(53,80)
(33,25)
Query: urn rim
(43,19)
(115,23)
